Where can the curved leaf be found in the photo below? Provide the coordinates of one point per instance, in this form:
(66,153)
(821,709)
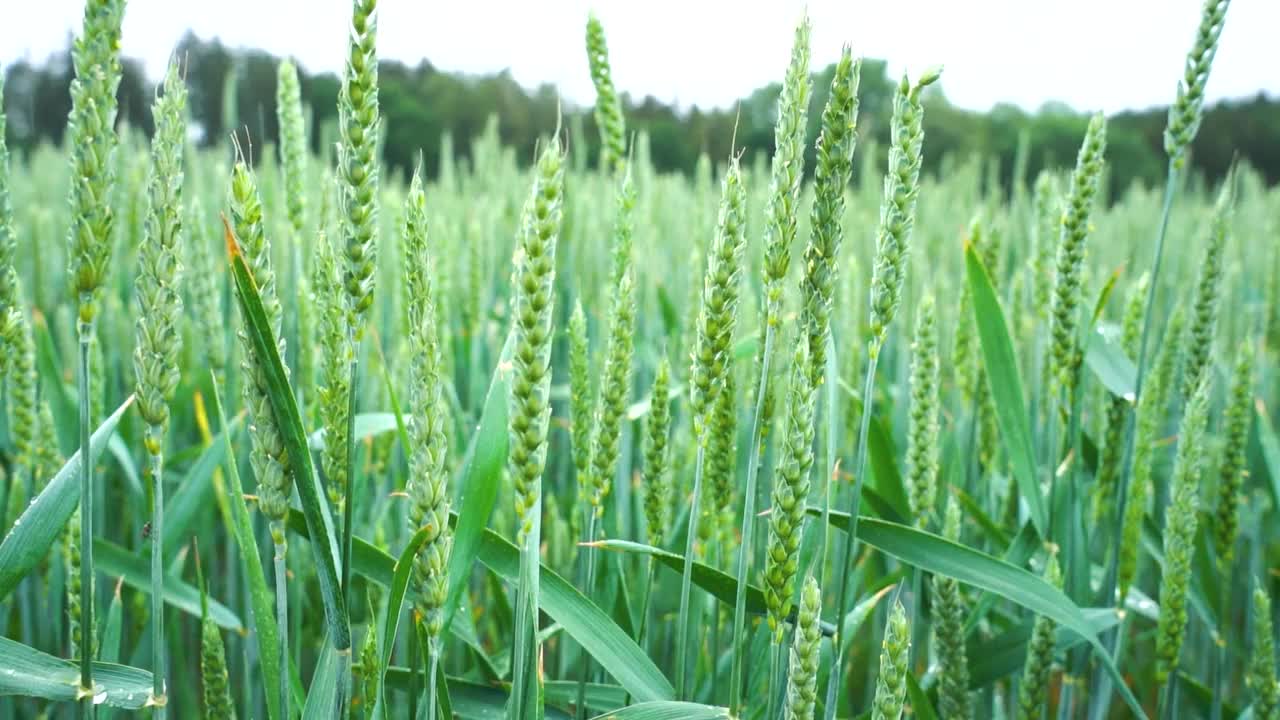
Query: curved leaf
(367,425)
(471,700)
(1006,385)
(993,658)
(395,601)
(235,515)
(938,555)
(135,570)
(565,693)
(1270,443)
(109,649)
(669,710)
(62,401)
(322,694)
(284,408)
(44,520)
(884,470)
(920,706)
(716,583)
(195,492)
(582,619)
(479,479)
(1107,360)
(27,671)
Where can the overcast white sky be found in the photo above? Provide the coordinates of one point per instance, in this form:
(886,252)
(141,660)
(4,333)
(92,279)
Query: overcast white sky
(1092,54)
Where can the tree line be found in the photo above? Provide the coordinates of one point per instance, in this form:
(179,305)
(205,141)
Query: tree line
(232,89)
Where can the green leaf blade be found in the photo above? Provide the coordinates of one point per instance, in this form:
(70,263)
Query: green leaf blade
(1005,382)
(31,673)
(44,520)
(284,407)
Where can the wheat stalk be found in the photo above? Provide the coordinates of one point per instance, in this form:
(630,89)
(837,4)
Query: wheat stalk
(96,57)
(156,350)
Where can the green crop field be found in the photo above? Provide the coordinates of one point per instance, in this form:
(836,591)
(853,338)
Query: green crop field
(552,434)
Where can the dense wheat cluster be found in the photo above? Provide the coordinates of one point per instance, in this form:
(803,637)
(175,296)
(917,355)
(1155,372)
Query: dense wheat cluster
(534,439)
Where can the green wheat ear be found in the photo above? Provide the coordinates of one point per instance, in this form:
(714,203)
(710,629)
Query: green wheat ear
(891,685)
(1033,691)
(1204,309)
(580,402)
(831,173)
(559,536)
(268,456)
(802,683)
(96,57)
(782,214)
(369,674)
(530,411)
(1151,413)
(657,460)
(624,227)
(608,110)
(923,427)
(332,393)
(787,173)
(293,144)
(22,401)
(790,495)
(1231,469)
(358,162)
(159,338)
(1048,214)
(615,389)
(71,560)
(898,207)
(615,384)
(429,484)
(718,312)
(949,633)
(1068,277)
(204,285)
(1262,664)
(1179,534)
(1186,111)
(722,462)
(10,298)
(31,422)
(214,680)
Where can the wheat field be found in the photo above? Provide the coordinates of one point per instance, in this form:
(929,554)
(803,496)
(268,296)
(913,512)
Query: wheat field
(543,438)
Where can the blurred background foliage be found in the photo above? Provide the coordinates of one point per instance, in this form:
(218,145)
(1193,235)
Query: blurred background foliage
(233,88)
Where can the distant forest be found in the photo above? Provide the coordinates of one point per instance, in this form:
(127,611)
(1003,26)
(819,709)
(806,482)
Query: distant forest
(422,105)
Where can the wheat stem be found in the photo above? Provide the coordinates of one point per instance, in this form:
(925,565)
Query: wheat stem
(850,549)
(748,527)
(686,578)
(282,610)
(86,531)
